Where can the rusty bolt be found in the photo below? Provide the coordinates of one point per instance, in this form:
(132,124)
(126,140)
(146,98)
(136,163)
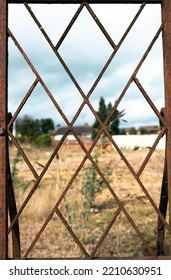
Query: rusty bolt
(2,131)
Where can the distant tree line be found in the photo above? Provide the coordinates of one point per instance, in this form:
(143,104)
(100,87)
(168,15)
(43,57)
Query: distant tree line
(34,130)
(140,130)
(29,130)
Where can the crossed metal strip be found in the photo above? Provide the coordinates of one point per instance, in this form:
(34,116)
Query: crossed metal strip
(10,132)
(101,239)
(73,21)
(151,151)
(150,102)
(54,101)
(69,228)
(107,36)
(55,209)
(103,127)
(85,97)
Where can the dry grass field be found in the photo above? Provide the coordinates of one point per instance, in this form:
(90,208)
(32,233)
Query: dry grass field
(87,221)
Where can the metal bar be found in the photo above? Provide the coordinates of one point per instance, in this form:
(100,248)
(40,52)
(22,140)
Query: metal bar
(152,149)
(37,182)
(104,234)
(138,181)
(39,78)
(166,18)
(12,207)
(163,203)
(23,102)
(72,233)
(54,49)
(133,75)
(69,26)
(61,217)
(103,30)
(88,1)
(163,210)
(150,102)
(26,159)
(105,68)
(88,155)
(54,209)
(103,128)
(65,66)
(66,190)
(103,125)
(3,134)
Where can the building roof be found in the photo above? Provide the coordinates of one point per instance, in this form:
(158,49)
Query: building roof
(149,128)
(80,130)
(87,129)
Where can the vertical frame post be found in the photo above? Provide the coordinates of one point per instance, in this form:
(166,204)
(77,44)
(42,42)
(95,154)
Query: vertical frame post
(166,18)
(3,136)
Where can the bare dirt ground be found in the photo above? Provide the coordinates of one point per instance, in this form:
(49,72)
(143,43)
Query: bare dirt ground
(88,224)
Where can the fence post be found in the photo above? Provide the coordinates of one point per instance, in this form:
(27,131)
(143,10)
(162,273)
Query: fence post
(166,18)
(3,136)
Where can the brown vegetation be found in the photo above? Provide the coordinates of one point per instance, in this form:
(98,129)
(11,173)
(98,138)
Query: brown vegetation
(55,241)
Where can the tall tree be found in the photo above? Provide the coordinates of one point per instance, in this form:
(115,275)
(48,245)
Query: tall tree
(113,124)
(103,112)
(46,125)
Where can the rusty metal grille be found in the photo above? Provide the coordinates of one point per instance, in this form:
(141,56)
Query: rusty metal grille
(163,116)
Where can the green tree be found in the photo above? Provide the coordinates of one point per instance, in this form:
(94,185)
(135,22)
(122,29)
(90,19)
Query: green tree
(27,127)
(133,131)
(31,130)
(103,112)
(113,124)
(46,125)
(122,131)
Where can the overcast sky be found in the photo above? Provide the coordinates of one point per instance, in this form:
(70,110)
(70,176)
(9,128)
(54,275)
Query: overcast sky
(85,51)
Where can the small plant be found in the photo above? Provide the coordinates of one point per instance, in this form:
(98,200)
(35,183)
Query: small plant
(14,174)
(92,186)
(14,170)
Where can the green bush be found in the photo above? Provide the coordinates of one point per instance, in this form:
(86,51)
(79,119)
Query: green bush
(43,140)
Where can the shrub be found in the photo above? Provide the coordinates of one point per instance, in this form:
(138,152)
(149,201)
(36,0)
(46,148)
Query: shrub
(92,185)
(43,140)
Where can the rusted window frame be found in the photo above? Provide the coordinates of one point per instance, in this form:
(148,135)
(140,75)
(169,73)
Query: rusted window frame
(166,19)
